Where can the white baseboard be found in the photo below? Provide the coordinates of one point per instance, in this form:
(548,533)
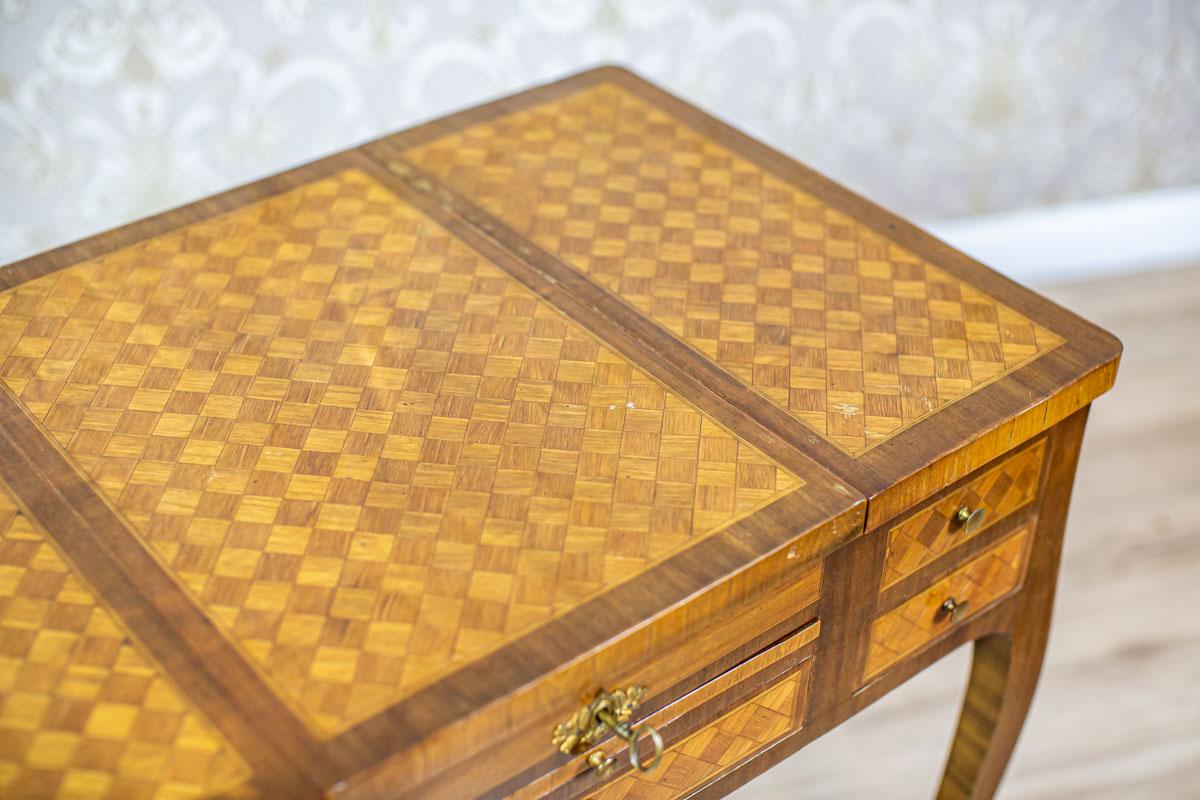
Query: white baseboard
(1059,243)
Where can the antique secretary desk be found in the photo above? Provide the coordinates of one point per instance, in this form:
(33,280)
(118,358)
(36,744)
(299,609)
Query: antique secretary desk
(571,446)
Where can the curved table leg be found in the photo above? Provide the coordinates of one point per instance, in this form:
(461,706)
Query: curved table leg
(1003,676)
(1006,665)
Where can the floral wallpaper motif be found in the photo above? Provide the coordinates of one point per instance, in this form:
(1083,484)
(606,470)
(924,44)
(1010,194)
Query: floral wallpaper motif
(114,109)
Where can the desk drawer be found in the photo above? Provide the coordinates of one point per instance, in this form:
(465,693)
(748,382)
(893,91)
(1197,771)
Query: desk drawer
(705,732)
(924,618)
(936,529)
(719,746)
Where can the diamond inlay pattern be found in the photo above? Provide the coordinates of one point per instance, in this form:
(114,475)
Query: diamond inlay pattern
(852,334)
(927,534)
(83,713)
(909,626)
(717,747)
(370,454)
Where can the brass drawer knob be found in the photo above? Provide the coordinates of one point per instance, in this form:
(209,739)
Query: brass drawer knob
(970,520)
(603,764)
(955,609)
(608,712)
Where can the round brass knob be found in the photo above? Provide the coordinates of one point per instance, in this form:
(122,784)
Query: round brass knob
(603,764)
(970,520)
(956,609)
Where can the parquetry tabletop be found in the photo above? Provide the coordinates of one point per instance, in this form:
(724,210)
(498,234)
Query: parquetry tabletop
(362,469)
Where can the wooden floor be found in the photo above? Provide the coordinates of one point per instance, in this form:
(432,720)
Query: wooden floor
(1117,714)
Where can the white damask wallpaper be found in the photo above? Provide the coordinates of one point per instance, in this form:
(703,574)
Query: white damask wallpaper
(114,109)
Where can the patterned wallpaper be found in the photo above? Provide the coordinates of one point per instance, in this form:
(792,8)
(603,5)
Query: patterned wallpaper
(114,109)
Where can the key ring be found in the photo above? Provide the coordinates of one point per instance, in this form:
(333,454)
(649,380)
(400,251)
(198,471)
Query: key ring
(631,736)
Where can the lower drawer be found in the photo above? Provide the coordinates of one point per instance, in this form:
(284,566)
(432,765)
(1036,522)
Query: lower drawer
(705,733)
(926,617)
(720,745)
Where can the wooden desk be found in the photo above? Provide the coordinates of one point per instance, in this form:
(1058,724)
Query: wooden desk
(365,479)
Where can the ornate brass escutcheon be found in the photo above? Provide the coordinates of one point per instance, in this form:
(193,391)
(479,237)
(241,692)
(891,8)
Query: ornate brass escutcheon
(608,712)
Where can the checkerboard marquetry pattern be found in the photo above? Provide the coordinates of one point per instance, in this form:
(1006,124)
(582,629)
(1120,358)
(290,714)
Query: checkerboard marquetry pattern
(854,335)
(369,454)
(83,713)
(928,534)
(912,624)
(715,748)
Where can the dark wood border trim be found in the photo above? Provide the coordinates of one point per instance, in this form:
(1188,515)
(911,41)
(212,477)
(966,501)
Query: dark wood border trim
(957,424)
(71,254)
(586,628)
(156,610)
(517,101)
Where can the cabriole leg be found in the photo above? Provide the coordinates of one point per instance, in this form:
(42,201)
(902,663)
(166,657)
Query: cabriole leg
(1006,665)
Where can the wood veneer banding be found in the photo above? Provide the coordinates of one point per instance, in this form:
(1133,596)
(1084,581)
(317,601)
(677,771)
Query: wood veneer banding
(387,480)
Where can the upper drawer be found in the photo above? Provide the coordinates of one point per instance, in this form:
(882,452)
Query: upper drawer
(962,514)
